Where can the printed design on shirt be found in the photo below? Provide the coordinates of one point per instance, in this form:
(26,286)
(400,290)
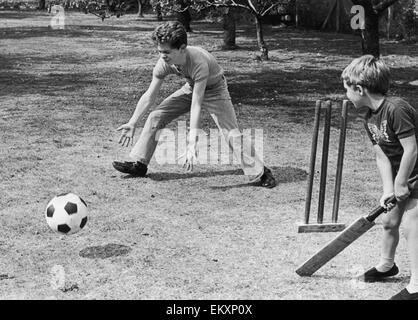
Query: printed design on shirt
(379,135)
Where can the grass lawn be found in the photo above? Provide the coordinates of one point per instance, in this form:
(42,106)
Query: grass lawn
(175,235)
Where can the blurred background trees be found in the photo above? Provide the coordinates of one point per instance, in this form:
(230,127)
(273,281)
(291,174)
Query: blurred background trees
(390,19)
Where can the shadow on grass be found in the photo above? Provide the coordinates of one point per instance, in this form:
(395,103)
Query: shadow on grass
(293,93)
(397,279)
(106,251)
(288,39)
(166,176)
(292,39)
(17,84)
(112,28)
(282,175)
(250,86)
(39,32)
(70,31)
(17,15)
(279,93)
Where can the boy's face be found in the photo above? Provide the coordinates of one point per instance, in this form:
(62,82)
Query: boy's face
(355,94)
(170,55)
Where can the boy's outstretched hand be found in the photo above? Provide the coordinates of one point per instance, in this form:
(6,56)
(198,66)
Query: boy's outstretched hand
(127,136)
(190,158)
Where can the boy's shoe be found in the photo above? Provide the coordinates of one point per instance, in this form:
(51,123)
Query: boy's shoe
(372,275)
(267,180)
(405,295)
(137,169)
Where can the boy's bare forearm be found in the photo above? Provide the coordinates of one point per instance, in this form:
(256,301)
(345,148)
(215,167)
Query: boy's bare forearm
(142,107)
(408,161)
(194,124)
(407,165)
(385,170)
(195,110)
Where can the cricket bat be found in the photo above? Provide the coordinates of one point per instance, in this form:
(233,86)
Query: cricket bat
(342,241)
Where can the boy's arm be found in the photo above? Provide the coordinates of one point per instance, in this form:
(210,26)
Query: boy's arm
(146,100)
(385,169)
(402,121)
(406,166)
(144,103)
(195,110)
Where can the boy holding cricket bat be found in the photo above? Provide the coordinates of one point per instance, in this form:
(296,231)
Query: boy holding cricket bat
(392,126)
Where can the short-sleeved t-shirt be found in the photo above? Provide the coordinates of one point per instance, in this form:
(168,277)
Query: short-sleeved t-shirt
(395,119)
(200,64)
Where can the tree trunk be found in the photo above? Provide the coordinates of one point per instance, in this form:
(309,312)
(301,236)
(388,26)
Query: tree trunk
(296,14)
(389,21)
(158,12)
(41,5)
(370,34)
(140,8)
(229,27)
(260,39)
(184,18)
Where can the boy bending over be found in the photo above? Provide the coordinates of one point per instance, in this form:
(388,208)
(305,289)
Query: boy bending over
(205,88)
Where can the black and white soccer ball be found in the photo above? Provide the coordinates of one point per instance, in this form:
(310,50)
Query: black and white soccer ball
(66,213)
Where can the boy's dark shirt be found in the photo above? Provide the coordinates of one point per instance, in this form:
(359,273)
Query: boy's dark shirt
(395,119)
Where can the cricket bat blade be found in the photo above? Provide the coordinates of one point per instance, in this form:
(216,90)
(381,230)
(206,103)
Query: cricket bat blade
(346,237)
(334,247)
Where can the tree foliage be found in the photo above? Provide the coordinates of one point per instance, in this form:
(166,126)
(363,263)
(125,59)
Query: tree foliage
(104,9)
(258,8)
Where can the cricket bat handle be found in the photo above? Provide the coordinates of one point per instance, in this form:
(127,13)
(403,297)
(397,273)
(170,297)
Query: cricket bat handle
(379,209)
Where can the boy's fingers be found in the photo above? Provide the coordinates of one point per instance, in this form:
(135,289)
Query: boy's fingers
(126,140)
(189,167)
(124,127)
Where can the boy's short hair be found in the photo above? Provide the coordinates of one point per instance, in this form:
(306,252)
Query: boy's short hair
(172,33)
(369,72)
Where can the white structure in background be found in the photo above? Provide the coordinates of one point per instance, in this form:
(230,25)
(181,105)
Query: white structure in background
(58,20)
